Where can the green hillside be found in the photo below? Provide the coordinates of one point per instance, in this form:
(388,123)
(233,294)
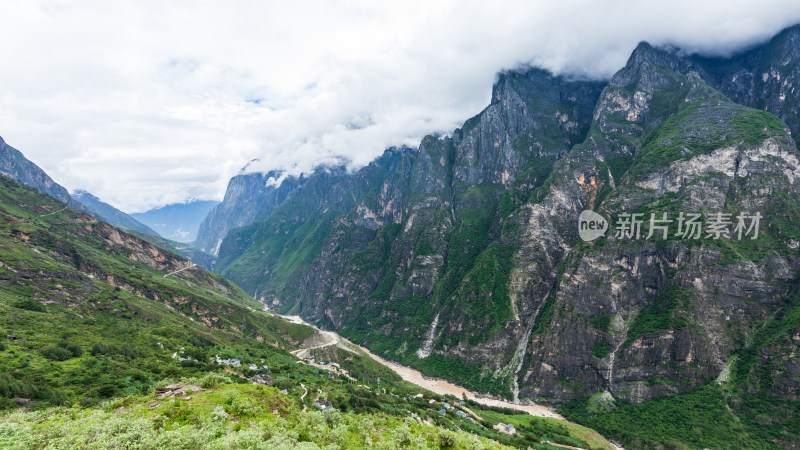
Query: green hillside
(87,313)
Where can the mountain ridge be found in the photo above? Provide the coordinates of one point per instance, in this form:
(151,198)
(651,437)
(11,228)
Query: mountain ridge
(101,327)
(112,215)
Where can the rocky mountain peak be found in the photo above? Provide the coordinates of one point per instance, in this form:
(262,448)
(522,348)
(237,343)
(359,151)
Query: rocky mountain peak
(787,44)
(643,65)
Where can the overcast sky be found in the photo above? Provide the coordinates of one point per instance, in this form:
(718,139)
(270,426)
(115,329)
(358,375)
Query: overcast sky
(158,102)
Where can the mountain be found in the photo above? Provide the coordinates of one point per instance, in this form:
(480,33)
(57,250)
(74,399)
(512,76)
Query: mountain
(177,222)
(14,165)
(762,78)
(463,258)
(110,339)
(247,198)
(109,214)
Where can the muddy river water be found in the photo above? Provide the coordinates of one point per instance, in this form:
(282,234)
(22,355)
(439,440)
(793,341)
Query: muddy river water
(439,386)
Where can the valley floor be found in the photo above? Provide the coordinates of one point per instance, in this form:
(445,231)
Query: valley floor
(436,385)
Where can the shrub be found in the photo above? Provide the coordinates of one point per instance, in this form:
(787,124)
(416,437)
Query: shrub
(88,402)
(447,439)
(74,349)
(103,349)
(219,414)
(30,305)
(105,390)
(56,354)
(601,350)
(213,380)
(242,407)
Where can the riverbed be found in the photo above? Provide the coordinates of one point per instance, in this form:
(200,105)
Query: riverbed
(439,386)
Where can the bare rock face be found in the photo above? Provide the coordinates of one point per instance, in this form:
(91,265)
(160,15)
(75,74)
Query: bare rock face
(463,259)
(248,198)
(765,77)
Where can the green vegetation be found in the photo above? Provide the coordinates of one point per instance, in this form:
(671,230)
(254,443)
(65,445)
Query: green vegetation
(618,164)
(485,290)
(668,99)
(601,350)
(290,245)
(224,417)
(88,319)
(660,314)
(601,323)
(697,419)
(461,373)
(701,126)
(535,430)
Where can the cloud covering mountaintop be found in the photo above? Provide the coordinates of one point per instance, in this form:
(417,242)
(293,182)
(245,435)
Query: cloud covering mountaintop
(153,103)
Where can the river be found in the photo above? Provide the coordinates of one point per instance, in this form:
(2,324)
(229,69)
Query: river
(439,386)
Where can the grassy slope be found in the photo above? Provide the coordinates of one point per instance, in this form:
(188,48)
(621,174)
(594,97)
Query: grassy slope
(92,322)
(229,413)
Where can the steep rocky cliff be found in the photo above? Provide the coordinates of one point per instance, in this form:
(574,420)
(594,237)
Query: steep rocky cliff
(248,197)
(463,258)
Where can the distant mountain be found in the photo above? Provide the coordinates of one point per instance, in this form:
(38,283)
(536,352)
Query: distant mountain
(109,214)
(178,222)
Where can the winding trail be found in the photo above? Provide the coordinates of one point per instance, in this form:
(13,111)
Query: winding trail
(54,212)
(439,386)
(181,270)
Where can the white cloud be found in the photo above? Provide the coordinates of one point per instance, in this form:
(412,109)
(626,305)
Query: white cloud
(153,102)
